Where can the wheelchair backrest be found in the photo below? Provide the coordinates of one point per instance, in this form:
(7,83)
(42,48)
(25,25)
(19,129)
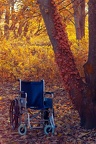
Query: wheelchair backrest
(35,92)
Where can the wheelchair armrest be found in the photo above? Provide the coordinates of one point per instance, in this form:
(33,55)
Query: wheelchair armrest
(49,93)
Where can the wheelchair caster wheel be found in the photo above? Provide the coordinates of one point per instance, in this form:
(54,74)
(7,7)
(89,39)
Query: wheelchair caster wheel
(48,129)
(22,129)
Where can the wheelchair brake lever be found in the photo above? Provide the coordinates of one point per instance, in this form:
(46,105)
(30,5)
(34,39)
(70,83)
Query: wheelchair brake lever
(21,92)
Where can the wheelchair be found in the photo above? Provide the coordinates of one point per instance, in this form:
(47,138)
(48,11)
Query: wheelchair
(33,108)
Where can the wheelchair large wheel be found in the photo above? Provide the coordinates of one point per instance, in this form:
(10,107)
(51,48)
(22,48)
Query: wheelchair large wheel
(22,129)
(14,113)
(48,129)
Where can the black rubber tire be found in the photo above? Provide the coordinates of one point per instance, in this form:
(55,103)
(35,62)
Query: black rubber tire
(48,129)
(14,113)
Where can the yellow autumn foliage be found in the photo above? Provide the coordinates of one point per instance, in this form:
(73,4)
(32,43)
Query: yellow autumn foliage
(19,59)
(79,48)
(31,56)
(34,59)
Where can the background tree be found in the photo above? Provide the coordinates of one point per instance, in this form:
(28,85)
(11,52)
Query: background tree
(81,93)
(90,66)
(79,17)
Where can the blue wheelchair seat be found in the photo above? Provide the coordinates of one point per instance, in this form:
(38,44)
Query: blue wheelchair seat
(35,95)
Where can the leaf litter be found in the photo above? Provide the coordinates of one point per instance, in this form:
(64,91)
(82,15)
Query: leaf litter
(68,130)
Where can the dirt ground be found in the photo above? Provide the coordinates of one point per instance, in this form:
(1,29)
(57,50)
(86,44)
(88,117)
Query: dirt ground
(68,130)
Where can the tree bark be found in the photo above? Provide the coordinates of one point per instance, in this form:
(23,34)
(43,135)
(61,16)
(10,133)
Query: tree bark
(64,58)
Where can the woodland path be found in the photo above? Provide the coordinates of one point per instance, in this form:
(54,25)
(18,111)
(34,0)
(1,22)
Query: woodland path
(68,130)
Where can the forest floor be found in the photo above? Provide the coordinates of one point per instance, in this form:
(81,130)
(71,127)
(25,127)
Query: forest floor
(68,130)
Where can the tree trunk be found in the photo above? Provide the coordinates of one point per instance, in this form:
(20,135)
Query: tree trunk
(6,26)
(25,28)
(90,66)
(79,17)
(73,83)
(92,46)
